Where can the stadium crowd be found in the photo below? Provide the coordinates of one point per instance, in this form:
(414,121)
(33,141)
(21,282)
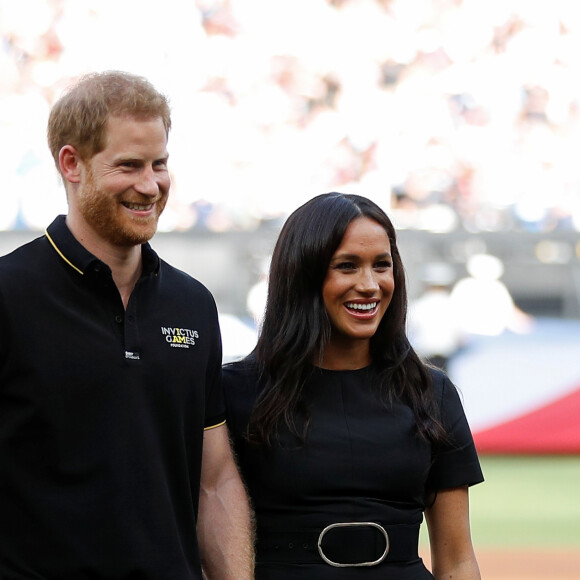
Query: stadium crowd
(449,113)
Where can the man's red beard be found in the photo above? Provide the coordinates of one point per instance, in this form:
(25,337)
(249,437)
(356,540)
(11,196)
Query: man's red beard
(103,214)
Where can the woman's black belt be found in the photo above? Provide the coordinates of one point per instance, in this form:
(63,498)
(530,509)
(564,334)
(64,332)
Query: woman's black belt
(344,544)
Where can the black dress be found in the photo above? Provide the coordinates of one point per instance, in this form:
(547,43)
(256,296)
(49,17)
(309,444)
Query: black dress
(362,462)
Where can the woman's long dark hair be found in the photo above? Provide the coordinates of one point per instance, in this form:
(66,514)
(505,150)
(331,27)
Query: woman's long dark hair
(296,327)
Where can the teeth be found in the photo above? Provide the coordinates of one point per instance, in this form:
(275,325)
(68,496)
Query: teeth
(137,206)
(354,306)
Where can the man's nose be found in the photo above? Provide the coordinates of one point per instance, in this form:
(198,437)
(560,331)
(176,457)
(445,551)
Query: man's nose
(148,183)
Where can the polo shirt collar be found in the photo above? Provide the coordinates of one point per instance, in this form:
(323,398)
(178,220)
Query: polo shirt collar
(80,259)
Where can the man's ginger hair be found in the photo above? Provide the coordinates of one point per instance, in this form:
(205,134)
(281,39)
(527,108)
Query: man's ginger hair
(80,116)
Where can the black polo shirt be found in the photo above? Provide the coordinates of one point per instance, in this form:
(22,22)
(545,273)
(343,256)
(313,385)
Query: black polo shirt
(102,413)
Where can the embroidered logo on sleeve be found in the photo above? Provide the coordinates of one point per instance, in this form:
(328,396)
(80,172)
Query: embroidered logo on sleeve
(179,337)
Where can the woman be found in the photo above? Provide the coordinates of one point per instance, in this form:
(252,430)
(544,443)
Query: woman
(343,435)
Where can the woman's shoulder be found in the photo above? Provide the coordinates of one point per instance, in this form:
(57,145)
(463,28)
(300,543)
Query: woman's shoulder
(442,384)
(448,397)
(438,376)
(240,376)
(240,388)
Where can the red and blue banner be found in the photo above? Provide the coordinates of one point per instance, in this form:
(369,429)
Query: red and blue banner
(521,392)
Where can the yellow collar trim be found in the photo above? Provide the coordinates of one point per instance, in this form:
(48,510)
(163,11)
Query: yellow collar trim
(214,426)
(62,255)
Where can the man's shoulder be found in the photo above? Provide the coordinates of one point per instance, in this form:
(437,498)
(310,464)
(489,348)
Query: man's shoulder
(179,276)
(180,283)
(20,258)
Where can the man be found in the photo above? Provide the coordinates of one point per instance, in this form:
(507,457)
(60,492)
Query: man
(110,371)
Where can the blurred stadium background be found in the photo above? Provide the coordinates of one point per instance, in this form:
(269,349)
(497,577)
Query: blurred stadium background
(461,118)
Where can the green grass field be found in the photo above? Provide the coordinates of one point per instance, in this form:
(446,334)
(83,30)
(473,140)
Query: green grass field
(531,501)
(526,501)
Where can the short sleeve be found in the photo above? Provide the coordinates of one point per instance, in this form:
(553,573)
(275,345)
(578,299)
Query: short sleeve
(240,391)
(455,463)
(3,331)
(215,413)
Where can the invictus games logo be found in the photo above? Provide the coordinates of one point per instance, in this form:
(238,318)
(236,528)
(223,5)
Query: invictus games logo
(179,337)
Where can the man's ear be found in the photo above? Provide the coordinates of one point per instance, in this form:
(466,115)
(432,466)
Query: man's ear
(70,164)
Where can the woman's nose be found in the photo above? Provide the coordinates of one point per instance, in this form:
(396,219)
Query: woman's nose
(367,281)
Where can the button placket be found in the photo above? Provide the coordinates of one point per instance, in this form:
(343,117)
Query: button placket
(131,328)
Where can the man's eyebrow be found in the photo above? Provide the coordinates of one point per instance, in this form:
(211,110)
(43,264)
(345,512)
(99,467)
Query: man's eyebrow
(127,159)
(137,159)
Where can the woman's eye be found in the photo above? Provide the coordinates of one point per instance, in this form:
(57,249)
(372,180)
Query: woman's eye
(346,266)
(383,265)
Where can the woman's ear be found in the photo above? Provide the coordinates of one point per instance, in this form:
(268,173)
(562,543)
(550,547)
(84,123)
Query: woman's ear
(70,163)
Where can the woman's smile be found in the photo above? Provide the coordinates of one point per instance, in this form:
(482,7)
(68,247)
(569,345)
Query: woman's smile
(359,283)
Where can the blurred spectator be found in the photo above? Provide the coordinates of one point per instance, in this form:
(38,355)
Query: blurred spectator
(482,302)
(434,326)
(453,113)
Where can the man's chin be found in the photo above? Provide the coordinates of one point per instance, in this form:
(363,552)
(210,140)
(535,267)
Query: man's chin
(138,239)
(129,237)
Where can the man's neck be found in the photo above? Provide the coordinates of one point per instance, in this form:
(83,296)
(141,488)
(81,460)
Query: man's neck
(125,261)
(126,267)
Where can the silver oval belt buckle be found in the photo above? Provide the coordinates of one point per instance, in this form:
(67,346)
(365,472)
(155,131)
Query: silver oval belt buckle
(353,525)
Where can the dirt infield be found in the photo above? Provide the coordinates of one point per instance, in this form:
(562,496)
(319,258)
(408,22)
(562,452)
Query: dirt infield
(526,564)
(521,564)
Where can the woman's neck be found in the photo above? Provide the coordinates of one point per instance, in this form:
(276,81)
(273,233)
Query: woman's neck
(351,356)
